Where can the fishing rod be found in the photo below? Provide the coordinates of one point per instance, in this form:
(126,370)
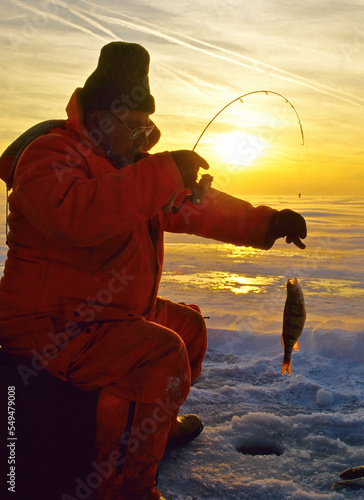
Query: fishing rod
(240,98)
(199,191)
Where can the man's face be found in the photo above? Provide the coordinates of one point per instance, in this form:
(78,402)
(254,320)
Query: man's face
(118,129)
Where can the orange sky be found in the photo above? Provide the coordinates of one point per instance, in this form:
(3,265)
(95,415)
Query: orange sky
(204,55)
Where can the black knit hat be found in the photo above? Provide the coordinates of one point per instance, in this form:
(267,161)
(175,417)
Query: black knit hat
(120,80)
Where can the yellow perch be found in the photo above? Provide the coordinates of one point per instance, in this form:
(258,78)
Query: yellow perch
(294,316)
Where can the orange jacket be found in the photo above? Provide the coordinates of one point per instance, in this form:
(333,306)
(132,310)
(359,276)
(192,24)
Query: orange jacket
(87,239)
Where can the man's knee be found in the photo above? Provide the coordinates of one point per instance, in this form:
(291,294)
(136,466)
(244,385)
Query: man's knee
(176,356)
(200,323)
(197,325)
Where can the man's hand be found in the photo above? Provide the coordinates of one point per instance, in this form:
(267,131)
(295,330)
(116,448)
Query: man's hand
(188,164)
(289,224)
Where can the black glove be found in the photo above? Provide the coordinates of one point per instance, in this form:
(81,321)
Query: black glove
(289,224)
(188,164)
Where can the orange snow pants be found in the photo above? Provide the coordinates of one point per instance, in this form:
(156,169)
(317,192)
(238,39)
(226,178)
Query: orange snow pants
(144,368)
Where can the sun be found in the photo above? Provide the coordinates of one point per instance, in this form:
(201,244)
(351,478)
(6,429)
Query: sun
(239,148)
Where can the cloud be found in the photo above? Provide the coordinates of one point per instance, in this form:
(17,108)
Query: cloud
(94,20)
(219,52)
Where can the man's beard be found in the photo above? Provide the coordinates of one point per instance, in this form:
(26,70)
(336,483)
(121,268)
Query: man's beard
(127,158)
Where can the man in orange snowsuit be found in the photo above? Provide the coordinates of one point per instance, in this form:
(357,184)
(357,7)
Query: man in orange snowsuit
(88,210)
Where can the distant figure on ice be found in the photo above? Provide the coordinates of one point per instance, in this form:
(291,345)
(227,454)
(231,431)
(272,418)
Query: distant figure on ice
(88,210)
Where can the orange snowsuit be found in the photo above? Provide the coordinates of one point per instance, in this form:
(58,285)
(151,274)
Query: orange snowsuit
(79,291)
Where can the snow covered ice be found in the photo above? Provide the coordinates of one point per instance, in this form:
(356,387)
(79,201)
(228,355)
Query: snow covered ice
(312,419)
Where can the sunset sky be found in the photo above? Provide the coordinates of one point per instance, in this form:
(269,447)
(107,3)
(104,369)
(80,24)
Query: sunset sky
(204,54)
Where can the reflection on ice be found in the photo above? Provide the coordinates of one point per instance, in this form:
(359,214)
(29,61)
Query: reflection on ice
(336,286)
(220,280)
(239,252)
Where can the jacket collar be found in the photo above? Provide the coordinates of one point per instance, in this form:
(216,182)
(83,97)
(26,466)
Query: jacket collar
(76,122)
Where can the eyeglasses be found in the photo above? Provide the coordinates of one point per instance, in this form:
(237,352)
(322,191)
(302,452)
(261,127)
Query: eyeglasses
(136,132)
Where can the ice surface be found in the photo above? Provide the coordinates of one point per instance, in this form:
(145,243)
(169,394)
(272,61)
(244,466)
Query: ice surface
(312,419)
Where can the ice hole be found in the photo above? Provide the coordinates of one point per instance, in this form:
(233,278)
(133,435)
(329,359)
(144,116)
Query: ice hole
(259,448)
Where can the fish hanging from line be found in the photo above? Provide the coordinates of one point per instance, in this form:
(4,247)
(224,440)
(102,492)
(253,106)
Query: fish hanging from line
(294,316)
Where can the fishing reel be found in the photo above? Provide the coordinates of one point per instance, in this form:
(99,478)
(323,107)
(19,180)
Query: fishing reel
(198,192)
